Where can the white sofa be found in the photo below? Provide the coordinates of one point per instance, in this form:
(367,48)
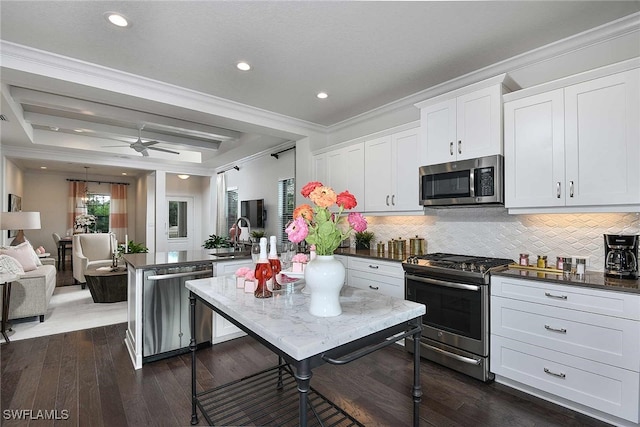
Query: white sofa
(31,293)
(91,250)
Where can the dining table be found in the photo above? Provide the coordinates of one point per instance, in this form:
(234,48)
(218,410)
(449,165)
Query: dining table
(65,243)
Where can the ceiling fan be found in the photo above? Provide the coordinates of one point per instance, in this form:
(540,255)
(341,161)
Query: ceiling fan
(143,147)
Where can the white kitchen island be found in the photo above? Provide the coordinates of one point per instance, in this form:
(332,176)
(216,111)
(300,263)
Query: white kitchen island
(369,321)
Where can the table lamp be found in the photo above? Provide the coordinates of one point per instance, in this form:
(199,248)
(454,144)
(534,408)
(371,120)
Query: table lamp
(19,221)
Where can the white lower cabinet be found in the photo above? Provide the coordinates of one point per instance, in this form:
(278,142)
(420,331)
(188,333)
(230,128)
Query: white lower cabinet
(223,330)
(385,277)
(547,340)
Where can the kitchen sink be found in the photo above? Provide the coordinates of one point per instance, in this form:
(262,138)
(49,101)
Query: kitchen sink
(231,254)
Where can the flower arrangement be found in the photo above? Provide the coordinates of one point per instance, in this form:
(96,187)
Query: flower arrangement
(84,221)
(319,226)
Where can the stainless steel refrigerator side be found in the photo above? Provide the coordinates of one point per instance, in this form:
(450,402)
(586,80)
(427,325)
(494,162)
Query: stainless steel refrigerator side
(165,312)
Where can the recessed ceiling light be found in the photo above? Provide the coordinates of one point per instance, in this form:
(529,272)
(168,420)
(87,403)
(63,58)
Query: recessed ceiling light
(243,66)
(124,173)
(54,128)
(117,19)
(322,95)
(43,167)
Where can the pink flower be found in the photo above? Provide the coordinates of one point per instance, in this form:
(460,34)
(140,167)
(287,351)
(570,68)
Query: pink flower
(251,275)
(297,230)
(242,271)
(357,221)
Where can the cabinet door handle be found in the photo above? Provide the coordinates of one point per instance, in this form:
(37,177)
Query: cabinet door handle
(387,200)
(393,200)
(460,147)
(551,328)
(451,148)
(375,288)
(374,266)
(558,189)
(555,374)
(570,188)
(550,295)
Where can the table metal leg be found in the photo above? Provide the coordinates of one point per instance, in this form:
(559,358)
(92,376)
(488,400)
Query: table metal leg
(303,378)
(192,347)
(417,388)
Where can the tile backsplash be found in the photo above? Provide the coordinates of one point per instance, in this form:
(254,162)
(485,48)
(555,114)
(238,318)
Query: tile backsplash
(493,232)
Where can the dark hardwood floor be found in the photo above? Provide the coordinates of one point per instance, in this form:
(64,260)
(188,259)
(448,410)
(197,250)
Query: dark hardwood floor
(87,378)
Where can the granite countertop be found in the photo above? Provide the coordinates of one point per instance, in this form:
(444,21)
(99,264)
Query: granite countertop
(592,279)
(370,253)
(175,258)
(284,319)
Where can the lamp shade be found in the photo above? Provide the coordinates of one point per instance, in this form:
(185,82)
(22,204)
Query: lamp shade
(20,221)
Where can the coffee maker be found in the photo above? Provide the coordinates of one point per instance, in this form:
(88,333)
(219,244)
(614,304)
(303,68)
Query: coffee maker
(621,256)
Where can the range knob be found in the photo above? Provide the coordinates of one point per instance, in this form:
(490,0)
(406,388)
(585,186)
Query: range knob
(463,266)
(482,268)
(472,267)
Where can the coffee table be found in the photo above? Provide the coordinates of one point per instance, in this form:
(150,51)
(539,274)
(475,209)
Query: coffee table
(107,285)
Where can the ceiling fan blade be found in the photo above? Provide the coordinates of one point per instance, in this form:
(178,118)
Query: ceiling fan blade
(145,153)
(115,146)
(148,143)
(162,149)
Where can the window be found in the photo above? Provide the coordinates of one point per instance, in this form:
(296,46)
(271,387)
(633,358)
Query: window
(177,219)
(232,207)
(98,205)
(286,205)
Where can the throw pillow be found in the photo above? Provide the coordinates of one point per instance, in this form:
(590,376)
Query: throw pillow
(10,265)
(36,258)
(23,253)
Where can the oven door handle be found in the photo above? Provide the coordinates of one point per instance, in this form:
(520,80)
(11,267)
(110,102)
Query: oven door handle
(462,359)
(443,283)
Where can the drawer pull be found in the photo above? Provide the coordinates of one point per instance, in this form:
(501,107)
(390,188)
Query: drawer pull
(375,288)
(561,330)
(374,266)
(555,374)
(550,295)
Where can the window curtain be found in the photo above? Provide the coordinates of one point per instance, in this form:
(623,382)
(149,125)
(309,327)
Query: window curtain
(118,211)
(221,211)
(76,203)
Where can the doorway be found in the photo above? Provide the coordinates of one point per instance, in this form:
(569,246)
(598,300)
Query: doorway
(180,226)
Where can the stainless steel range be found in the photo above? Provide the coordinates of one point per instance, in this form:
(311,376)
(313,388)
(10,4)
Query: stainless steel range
(455,289)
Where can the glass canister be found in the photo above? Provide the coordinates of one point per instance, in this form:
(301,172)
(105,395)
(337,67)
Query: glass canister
(542,261)
(524,259)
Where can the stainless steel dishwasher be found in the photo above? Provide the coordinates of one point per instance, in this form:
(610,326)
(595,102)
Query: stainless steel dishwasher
(165,311)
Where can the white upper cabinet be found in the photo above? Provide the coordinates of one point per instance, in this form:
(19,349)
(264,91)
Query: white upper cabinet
(463,124)
(575,147)
(391,172)
(342,169)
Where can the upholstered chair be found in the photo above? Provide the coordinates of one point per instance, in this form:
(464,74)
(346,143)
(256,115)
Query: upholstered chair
(91,250)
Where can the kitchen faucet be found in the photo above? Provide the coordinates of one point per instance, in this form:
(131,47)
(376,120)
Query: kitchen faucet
(236,238)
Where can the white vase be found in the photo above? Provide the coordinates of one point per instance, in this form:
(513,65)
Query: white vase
(324,278)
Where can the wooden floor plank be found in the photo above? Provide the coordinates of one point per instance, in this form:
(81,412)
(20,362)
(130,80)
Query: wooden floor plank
(98,385)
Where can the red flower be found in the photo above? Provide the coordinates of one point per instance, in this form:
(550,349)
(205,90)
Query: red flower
(346,200)
(307,189)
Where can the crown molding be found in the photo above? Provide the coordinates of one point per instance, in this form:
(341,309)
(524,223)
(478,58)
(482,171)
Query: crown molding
(47,64)
(612,30)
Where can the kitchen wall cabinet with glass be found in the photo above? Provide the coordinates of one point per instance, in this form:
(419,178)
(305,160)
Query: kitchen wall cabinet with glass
(465,123)
(571,345)
(574,144)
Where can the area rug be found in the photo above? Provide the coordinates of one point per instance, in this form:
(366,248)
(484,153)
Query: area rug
(71,309)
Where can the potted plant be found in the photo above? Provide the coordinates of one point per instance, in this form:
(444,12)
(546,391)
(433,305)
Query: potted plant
(133,248)
(216,242)
(257,234)
(363,239)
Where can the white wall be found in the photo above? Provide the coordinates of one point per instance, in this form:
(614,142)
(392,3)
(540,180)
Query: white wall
(258,179)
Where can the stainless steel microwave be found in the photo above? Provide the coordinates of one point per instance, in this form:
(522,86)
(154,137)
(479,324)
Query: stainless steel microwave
(464,182)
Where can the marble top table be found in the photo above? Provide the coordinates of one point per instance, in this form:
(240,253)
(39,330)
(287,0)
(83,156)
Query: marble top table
(283,324)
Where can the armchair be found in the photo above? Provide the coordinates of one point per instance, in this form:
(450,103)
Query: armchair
(91,250)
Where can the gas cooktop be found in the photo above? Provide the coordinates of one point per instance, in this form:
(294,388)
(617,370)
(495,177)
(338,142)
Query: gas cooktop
(444,264)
